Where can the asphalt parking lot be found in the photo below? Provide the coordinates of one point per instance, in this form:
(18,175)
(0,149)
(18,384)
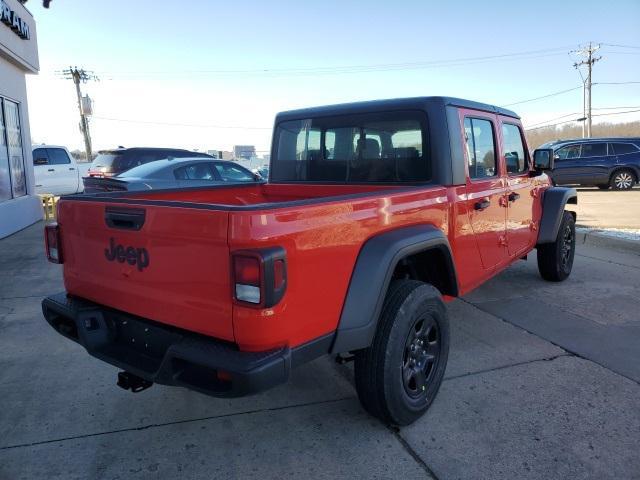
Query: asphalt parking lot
(609,209)
(543,382)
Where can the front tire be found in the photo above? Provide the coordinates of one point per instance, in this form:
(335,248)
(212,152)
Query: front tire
(623,179)
(555,260)
(399,375)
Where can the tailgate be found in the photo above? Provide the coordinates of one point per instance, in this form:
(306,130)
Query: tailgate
(165,263)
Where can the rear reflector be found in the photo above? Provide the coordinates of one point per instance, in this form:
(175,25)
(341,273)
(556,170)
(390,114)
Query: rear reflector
(278,274)
(52,243)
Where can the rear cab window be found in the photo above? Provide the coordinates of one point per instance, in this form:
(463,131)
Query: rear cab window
(385,147)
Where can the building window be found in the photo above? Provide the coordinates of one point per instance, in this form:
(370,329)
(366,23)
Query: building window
(13,178)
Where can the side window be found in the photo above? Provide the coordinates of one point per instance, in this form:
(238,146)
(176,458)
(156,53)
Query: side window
(594,150)
(481,149)
(195,171)
(568,152)
(40,156)
(622,148)
(58,156)
(232,173)
(514,151)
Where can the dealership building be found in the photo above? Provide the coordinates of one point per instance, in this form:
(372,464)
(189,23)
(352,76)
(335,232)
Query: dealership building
(19,206)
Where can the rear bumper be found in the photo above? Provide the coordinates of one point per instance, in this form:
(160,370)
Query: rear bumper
(171,356)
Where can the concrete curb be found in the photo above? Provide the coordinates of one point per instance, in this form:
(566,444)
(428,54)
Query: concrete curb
(602,240)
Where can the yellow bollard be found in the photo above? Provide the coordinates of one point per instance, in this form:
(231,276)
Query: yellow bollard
(49,203)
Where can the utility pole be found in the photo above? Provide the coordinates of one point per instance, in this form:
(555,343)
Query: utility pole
(587,83)
(72,73)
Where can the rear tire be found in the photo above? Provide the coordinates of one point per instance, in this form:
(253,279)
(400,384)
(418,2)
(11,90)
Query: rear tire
(399,375)
(555,260)
(623,179)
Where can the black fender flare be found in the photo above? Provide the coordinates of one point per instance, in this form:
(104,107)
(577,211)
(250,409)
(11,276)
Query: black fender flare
(372,275)
(553,202)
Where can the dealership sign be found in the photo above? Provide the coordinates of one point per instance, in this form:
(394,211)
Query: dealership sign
(13,21)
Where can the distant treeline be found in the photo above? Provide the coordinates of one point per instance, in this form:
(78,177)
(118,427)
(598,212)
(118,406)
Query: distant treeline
(537,137)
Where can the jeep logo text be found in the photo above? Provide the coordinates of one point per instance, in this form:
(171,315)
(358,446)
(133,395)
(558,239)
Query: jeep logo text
(131,255)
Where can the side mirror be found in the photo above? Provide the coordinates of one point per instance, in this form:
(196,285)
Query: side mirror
(543,159)
(40,161)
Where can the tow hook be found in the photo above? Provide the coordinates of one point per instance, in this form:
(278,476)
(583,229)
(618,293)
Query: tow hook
(132,382)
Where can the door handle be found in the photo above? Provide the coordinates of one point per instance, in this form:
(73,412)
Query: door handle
(71,168)
(482,204)
(51,170)
(513,196)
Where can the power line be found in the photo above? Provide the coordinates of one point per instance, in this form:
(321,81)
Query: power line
(575,120)
(352,68)
(621,46)
(615,113)
(552,119)
(170,124)
(614,108)
(544,96)
(615,83)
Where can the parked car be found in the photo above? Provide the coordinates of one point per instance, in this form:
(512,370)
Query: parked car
(375,215)
(173,173)
(110,163)
(56,171)
(601,162)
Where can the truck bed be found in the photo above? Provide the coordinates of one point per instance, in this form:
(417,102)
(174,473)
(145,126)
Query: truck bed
(190,233)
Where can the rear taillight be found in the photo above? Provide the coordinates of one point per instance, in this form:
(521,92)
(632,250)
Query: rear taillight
(259,276)
(247,275)
(53,243)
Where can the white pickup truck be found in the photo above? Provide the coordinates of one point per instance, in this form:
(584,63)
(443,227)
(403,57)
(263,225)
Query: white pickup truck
(56,171)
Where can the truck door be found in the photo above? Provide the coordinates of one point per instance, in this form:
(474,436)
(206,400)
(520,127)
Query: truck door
(567,163)
(42,171)
(518,199)
(66,174)
(485,187)
(595,164)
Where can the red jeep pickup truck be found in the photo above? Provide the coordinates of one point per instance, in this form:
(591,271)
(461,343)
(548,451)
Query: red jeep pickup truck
(375,215)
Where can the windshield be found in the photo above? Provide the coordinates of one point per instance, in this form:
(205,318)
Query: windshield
(385,147)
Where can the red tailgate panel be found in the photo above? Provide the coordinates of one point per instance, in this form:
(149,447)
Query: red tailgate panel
(186,282)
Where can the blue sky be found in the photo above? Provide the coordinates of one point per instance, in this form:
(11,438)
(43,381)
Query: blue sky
(212,63)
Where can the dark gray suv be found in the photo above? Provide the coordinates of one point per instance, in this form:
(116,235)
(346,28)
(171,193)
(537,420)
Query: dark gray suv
(602,162)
